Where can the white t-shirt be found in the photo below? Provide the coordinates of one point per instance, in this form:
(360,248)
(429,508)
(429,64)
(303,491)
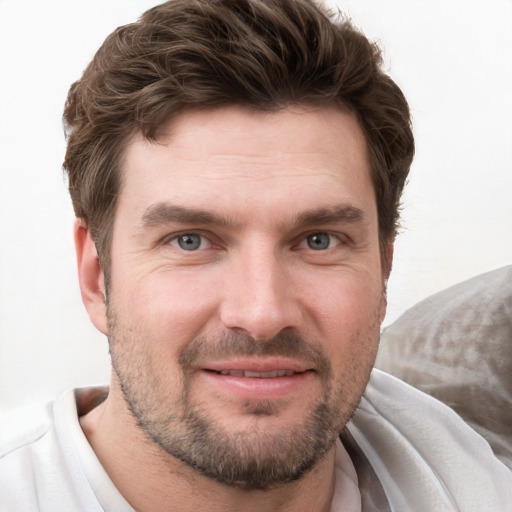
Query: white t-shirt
(411,452)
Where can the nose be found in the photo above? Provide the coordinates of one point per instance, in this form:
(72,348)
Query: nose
(260,297)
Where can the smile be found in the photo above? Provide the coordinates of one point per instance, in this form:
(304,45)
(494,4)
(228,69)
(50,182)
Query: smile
(258,380)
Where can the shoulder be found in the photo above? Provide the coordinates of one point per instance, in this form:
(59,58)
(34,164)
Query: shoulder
(423,453)
(39,468)
(23,427)
(23,434)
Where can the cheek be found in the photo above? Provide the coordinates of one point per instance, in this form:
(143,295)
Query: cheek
(347,298)
(350,316)
(167,304)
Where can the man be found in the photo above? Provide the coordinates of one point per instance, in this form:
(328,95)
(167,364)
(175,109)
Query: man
(236,170)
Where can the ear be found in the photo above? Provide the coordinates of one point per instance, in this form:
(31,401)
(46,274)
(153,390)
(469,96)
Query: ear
(387,263)
(90,276)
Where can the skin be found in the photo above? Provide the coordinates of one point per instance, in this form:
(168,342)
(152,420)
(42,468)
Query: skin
(260,190)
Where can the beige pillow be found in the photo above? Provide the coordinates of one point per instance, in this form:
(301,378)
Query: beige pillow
(457,346)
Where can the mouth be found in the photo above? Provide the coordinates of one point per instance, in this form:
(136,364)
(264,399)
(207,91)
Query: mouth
(258,379)
(258,367)
(256,375)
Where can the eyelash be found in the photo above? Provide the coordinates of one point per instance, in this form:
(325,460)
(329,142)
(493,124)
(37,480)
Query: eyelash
(181,236)
(332,238)
(304,240)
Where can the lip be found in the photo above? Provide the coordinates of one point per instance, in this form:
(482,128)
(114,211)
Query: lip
(257,388)
(255,364)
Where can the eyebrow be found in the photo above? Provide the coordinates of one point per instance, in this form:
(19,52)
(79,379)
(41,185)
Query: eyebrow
(346,213)
(165,213)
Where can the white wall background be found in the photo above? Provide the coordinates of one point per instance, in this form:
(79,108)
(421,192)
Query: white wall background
(452,58)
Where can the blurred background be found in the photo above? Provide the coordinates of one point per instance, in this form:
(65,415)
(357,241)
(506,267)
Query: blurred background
(453,60)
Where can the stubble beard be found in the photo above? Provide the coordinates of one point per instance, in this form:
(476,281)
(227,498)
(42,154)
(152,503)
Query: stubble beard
(248,459)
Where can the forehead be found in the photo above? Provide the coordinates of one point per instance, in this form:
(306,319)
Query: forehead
(229,156)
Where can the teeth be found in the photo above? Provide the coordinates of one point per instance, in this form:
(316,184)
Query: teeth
(258,375)
(234,373)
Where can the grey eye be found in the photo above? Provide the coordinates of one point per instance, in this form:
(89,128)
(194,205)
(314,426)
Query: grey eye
(319,241)
(189,242)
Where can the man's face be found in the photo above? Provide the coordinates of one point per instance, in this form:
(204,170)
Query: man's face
(246,288)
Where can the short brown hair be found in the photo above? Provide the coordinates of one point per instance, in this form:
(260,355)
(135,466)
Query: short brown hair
(261,54)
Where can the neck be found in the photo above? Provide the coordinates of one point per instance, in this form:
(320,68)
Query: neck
(150,479)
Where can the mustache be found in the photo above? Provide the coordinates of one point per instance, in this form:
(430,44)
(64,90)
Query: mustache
(287,343)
